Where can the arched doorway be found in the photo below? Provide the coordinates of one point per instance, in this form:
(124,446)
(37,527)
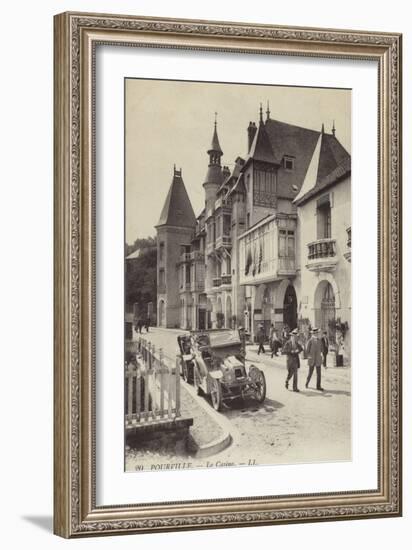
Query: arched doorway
(228,312)
(290,308)
(220,316)
(162,314)
(208,313)
(325,308)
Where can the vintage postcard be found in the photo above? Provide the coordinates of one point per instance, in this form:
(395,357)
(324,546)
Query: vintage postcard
(237,275)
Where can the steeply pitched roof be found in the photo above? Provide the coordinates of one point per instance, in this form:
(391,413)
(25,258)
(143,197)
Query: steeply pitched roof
(177,209)
(330,162)
(233,175)
(295,142)
(261,148)
(338,173)
(215,145)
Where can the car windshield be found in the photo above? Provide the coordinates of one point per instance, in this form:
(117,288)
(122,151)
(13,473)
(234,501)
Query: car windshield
(224,338)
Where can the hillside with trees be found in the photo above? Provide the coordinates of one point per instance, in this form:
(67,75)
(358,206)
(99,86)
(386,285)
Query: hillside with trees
(141,274)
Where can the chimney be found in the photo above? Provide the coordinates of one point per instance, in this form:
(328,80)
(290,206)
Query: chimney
(251,131)
(225,172)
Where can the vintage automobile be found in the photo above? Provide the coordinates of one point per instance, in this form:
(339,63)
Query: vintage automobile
(214,362)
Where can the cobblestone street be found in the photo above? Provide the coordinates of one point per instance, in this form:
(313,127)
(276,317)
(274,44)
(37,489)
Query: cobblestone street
(288,427)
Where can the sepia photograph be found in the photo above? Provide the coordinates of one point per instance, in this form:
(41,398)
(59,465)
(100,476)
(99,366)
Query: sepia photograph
(237,271)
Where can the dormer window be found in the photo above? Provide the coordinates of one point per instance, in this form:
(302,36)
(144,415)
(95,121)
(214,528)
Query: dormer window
(288,163)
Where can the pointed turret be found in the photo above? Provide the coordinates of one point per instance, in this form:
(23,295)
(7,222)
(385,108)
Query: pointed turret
(214,175)
(215,145)
(177,210)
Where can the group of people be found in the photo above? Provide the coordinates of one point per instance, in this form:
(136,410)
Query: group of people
(316,352)
(140,324)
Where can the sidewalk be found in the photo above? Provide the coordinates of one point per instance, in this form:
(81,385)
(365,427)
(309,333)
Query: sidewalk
(330,374)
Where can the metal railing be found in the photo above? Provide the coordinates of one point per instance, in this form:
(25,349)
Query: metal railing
(323,248)
(226,279)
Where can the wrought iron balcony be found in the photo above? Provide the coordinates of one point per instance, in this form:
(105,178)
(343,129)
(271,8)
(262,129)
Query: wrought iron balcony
(322,255)
(226,280)
(217,281)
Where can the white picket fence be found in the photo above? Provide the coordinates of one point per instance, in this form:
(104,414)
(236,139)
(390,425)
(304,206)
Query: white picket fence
(152,388)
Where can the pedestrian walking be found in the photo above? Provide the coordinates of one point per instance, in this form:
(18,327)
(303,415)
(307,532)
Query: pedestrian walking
(292,348)
(314,354)
(261,339)
(325,347)
(242,337)
(275,343)
(147,324)
(139,326)
(285,334)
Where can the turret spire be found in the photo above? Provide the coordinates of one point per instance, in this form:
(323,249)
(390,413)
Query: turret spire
(267,111)
(333,129)
(215,151)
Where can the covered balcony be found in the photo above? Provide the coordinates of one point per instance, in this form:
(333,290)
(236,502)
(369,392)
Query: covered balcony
(322,255)
(267,250)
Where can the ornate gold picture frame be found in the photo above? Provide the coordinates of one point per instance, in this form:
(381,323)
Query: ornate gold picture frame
(76,37)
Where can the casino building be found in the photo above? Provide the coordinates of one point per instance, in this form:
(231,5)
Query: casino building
(273,242)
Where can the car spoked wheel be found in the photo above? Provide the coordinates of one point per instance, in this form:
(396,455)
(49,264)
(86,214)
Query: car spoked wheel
(259,381)
(216,394)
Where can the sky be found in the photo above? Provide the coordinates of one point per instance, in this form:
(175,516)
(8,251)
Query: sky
(171,122)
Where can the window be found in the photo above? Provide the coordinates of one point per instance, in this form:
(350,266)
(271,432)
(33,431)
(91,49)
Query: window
(161,251)
(286,244)
(161,277)
(324,218)
(226,224)
(288,163)
(187,280)
(248,220)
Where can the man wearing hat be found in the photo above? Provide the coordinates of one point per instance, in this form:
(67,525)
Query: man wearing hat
(261,336)
(314,355)
(292,348)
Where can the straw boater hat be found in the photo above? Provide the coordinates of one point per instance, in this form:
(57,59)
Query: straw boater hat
(295,332)
(315,330)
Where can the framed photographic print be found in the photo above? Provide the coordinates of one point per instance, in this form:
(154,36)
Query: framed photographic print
(225,354)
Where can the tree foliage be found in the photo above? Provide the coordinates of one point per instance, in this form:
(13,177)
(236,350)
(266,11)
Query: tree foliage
(141,274)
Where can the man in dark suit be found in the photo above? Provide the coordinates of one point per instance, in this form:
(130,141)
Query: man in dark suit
(314,354)
(325,347)
(292,348)
(261,337)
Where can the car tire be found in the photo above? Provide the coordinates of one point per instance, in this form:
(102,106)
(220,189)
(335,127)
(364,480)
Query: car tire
(258,378)
(216,395)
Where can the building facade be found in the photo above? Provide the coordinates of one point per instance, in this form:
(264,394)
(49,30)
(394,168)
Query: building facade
(272,244)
